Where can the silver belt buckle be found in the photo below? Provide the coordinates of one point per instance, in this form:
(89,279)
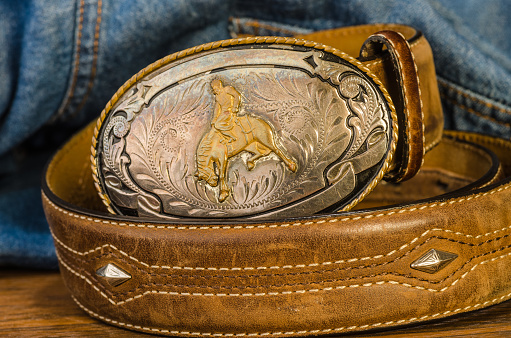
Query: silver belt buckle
(261,128)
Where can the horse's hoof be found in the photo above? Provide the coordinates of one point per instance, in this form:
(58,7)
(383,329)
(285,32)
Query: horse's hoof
(250,165)
(223,196)
(292,166)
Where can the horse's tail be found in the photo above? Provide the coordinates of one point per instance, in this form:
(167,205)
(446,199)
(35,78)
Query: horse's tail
(204,171)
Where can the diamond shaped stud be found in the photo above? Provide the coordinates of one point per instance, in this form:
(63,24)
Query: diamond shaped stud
(114,275)
(433,261)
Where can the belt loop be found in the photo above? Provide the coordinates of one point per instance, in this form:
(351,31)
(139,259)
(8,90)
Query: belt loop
(410,148)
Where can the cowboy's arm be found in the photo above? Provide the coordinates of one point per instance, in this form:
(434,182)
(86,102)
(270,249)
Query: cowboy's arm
(236,97)
(216,112)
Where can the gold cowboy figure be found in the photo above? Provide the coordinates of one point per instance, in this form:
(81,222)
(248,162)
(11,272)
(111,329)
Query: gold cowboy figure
(227,103)
(230,135)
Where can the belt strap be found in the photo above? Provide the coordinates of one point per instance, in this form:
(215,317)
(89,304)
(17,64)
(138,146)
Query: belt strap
(424,249)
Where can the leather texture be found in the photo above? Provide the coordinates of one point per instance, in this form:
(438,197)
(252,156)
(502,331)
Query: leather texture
(410,150)
(322,274)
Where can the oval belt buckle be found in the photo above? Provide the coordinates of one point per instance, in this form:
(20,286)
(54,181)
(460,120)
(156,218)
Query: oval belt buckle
(254,128)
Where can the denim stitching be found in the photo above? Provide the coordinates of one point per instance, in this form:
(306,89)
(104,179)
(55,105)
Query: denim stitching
(94,59)
(76,67)
(449,86)
(473,111)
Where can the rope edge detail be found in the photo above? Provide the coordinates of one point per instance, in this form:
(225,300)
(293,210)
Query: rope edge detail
(244,41)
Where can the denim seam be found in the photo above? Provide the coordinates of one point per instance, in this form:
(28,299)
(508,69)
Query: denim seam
(71,98)
(445,84)
(70,93)
(473,111)
(94,59)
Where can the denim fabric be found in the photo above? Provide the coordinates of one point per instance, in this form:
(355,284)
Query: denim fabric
(61,61)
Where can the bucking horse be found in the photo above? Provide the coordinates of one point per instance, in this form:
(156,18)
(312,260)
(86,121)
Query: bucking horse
(252,134)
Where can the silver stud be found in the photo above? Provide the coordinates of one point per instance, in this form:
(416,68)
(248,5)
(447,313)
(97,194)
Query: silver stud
(114,275)
(433,261)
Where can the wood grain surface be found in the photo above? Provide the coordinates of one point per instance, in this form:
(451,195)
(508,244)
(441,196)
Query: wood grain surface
(37,304)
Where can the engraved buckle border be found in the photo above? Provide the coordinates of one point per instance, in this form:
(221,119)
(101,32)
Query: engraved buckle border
(245,41)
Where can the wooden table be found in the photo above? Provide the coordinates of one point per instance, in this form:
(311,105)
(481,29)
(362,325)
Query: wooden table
(37,304)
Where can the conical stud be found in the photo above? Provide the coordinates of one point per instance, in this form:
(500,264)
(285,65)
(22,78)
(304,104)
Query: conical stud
(433,261)
(114,275)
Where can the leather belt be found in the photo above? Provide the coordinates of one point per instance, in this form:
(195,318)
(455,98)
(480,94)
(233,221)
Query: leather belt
(433,246)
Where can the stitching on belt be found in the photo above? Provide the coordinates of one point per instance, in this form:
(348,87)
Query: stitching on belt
(288,274)
(402,321)
(178,286)
(343,219)
(84,253)
(263,334)
(142,286)
(420,98)
(314,290)
(406,103)
(483,139)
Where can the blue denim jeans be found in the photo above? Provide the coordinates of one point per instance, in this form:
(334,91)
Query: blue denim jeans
(61,61)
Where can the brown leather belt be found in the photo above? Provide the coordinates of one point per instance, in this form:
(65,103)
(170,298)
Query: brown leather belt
(433,246)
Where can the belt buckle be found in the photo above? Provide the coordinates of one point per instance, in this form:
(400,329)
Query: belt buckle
(261,127)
